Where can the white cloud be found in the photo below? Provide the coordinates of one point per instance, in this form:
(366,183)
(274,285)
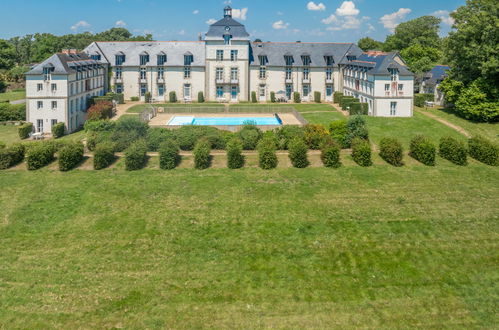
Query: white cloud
(181,32)
(331,19)
(344,23)
(80,24)
(316,6)
(211,21)
(195,12)
(347,8)
(390,21)
(240,13)
(120,23)
(444,15)
(280,25)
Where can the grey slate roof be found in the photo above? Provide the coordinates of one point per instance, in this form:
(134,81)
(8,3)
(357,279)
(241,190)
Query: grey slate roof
(218,29)
(378,63)
(63,63)
(174,51)
(436,75)
(275,52)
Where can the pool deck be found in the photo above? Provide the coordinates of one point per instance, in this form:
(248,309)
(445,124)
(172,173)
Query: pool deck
(162,119)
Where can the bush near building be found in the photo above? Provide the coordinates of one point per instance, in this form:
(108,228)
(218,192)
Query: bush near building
(267,158)
(391,151)
(346,100)
(70,156)
(453,150)
(330,154)
(253,97)
(136,156)
(235,158)
(202,158)
(24,130)
(315,135)
(134,98)
(338,130)
(317,97)
(361,152)
(39,155)
(272,97)
(100,110)
(420,99)
(484,150)
(200,97)
(298,153)
(337,96)
(103,155)
(58,130)
(296,97)
(12,155)
(423,150)
(172,97)
(169,156)
(358,108)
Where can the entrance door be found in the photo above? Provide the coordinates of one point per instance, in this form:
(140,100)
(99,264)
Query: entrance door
(329,93)
(39,125)
(261,93)
(289,91)
(187,92)
(233,93)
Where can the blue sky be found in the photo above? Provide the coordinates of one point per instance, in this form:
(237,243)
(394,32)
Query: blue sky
(269,20)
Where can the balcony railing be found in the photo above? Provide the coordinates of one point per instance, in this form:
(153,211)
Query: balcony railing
(234,81)
(143,80)
(306,80)
(118,80)
(329,80)
(288,81)
(161,80)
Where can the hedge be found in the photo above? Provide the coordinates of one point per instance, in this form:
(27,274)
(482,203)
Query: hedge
(391,151)
(202,158)
(484,150)
(70,156)
(12,112)
(169,156)
(172,97)
(24,130)
(100,110)
(39,155)
(339,131)
(11,156)
(420,99)
(136,156)
(147,97)
(453,150)
(337,96)
(358,108)
(356,128)
(249,136)
(315,134)
(361,152)
(234,157)
(58,130)
(134,98)
(296,97)
(272,97)
(298,153)
(423,150)
(286,133)
(103,155)
(267,158)
(200,97)
(330,154)
(317,97)
(253,97)
(346,100)
(157,135)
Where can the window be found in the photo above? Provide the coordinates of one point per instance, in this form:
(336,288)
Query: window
(220,92)
(95,57)
(144,59)
(306,73)
(289,73)
(143,89)
(220,55)
(77,104)
(39,87)
(263,72)
(120,59)
(47,72)
(263,59)
(54,105)
(233,55)
(39,104)
(387,87)
(329,60)
(401,87)
(53,87)
(289,91)
(233,93)
(227,38)
(289,60)
(393,108)
(161,73)
(187,71)
(394,74)
(71,89)
(39,125)
(220,73)
(53,122)
(119,89)
(306,60)
(306,90)
(118,73)
(187,91)
(234,73)
(261,92)
(161,90)
(188,59)
(161,59)
(142,73)
(329,90)
(329,74)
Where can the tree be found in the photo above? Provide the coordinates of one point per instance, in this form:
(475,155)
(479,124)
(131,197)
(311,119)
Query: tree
(7,55)
(369,44)
(422,31)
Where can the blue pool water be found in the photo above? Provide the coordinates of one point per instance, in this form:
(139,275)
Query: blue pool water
(224,121)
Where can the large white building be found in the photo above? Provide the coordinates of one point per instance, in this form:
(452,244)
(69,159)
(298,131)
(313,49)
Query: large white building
(227,67)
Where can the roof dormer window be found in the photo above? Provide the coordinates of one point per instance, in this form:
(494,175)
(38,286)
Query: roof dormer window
(120,58)
(263,59)
(144,58)
(329,60)
(289,60)
(351,57)
(95,57)
(188,58)
(306,60)
(161,58)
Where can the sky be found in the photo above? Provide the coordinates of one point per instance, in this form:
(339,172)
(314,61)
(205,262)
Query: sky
(268,20)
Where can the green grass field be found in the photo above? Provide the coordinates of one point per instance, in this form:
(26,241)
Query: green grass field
(12,96)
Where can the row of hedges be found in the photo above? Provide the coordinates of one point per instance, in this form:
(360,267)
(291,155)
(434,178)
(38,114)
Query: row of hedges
(24,130)
(70,156)
(58,130)
(12,112)
(12,155)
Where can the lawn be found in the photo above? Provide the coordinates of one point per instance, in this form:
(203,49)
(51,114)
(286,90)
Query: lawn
(384,247)
(8,134)
(12,96)
(488,130)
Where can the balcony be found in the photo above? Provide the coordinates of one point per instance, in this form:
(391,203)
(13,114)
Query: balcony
(118,80)
(220,81)
(161,80)
(329,80)
(234,81)
(142,80)
(288,81)
(306,80)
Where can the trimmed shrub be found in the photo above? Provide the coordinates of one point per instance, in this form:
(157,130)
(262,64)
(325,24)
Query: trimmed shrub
(147,97)
(315,135)
(356,128)
(249,136)
(365,109)
(235,159)
(134,98)
(24,130)
(420,99)
(267,158)
(5,158)
(337,97)
(39,155)
(70,156)
(187,136)
(296,97)
(58,130)
(357,108)
(128,130)
(99,125)
(156,136)
(253,97)
(338,130)
(484,150)
(202,158)
(330,154)
(317,97)
(391,151)
(272,97)
(200,97)
(347,102)
(361,152)
(453,150)
(298,153)
(100,110)
(169,156)
(11,156)
(286,133)
(172,97)
(423,150)
(103,155)
(136,156)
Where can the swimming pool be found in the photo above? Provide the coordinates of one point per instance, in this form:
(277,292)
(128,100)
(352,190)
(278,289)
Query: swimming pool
(224,121)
